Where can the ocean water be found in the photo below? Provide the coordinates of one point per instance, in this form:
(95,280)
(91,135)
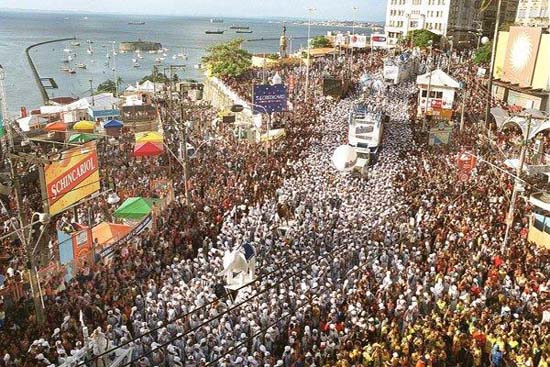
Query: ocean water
(19,30)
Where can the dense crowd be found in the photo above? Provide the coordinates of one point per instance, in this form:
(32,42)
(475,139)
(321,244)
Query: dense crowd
(404,268)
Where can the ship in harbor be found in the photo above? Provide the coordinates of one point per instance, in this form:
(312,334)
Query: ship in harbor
(239,27)
(216,20)
(244,31)
(136,23)
(219,31)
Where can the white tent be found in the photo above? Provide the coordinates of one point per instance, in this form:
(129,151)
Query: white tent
(539,120)
(438,79)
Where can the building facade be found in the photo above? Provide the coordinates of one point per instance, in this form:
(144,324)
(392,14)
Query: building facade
(533,13)
(460,19)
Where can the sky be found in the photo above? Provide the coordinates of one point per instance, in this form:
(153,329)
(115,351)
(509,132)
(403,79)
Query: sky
(367,10)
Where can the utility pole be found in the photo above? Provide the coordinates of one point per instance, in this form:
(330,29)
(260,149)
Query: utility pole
(31,264)
(352,34)
(492,67)
(92,91)
(310,10)
(512,208)
(465,94)
(183,151)
(425,118)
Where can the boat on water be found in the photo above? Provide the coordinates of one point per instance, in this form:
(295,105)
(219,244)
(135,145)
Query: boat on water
(81,66)
(239,27)
(68,70)
(243,31)
(136,65)
(134,60)
(216,20)
(75,43)
(214,32)
(158,60)
(197,66)
(136,23)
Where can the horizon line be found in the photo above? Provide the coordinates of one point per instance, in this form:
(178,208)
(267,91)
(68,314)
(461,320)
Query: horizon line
(198,15)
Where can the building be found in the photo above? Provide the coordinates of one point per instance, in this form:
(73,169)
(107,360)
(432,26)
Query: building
(442,89)
(459,19)
(534,13)
(488,16)
(522,70)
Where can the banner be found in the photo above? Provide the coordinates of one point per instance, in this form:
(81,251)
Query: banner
(270,98)
(521,55)
(72,178)
(466,163)
(358,41)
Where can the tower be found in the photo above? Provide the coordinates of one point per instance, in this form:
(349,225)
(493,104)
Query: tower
(283,42)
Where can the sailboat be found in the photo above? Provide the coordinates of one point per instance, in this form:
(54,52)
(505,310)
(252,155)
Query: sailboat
(89,50)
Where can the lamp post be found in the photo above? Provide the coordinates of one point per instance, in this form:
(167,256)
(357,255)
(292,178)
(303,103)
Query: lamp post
(424,121)
(511,209)
(492,68)
(450,54)
(352,33)
(310,11)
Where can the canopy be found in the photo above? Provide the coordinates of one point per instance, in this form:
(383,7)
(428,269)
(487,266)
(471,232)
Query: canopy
(344,158)
(149,136)
(80,138)
(134,208)
(113,124)
(147,149)
(438,78)
(84,125)
(539,120)
(56,126)
(107,233)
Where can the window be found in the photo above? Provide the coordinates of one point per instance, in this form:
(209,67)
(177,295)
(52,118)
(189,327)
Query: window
(424,93)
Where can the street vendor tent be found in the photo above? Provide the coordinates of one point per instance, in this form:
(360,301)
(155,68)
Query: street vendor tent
(147,149)
(86,126)
(113,124)
(149,137)
(106,233)
(80,138)
(134,208)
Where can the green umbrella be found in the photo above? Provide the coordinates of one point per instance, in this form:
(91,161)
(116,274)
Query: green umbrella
(80,138)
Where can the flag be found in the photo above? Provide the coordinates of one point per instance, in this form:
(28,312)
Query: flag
(249,251)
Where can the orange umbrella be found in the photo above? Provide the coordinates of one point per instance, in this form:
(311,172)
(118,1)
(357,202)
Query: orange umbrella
(56,126)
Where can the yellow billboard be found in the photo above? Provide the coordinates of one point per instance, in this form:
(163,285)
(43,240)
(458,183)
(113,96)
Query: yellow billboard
(72,178)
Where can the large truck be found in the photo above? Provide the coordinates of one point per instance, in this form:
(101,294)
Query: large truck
(366,128)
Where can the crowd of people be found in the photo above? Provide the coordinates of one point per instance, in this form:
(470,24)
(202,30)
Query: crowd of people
(405,268)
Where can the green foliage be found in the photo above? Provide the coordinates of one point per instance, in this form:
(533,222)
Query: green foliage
(272,56)
(319,42)
(156,76)
(228,59)
(108,86)
(422,37)
(483,54)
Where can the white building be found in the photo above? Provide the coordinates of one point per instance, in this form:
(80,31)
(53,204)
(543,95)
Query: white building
(442,90)
(457,18)
(534,13)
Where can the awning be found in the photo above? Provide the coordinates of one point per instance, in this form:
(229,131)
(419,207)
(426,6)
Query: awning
(107,233)
(149,136)
(134,208)
(148,149)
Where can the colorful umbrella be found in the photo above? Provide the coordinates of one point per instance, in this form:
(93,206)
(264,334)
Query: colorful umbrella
(84,126)
(148,149)
(56,126)
(80,138)
(149,137)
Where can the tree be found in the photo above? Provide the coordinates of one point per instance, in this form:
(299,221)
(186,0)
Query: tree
(421,37)
(107,86)
(483,54)
(228,59)
(319,42)
(156,76)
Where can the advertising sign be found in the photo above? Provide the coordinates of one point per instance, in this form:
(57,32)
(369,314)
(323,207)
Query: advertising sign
(378,40)
(521,55)
(333,87)
(358,41)
(466,163)
(436,103)
(339,39)
(270,98)
(72,178)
